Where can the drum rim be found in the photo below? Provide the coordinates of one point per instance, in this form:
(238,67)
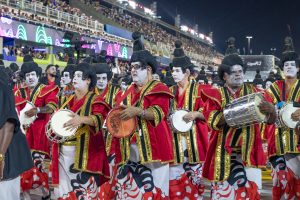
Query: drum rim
(171,121)
(64,138)
(114,109)
(281,114)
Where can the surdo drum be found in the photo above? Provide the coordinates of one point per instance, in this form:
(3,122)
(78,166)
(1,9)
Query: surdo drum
(244,111)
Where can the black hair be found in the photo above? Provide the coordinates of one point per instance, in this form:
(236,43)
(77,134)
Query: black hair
(87,73)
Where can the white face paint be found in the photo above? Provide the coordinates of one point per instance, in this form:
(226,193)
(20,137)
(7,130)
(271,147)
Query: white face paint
(66,79)
(236,78)
(268,84)
(102,81)
(78,82)
(259,86)
(138,74)
(209,82)
(177,74)
(31,79)
(123,86)
(289,69)
(155,77)
(201,82)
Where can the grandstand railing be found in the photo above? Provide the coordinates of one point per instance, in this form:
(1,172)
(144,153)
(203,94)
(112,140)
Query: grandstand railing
(159,48)
(39,8)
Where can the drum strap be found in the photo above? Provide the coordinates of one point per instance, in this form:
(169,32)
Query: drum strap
(23,93)
(66,103)
(125,95)
(175,88)
(34,91)
(283,92)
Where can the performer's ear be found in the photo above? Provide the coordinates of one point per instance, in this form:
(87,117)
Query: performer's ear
(188,72)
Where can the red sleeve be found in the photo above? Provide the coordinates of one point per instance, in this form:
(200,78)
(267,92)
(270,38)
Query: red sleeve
(160,105)
(100,110)
(212,111)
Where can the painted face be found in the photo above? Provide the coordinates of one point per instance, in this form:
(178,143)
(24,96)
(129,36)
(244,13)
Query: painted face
(102,81)
(290,69)
(126,188)
(139,75)
(177,74)
(123,86)
(209,82)
(155,77)
(259,86)
(201,82)
(268,84)
(236,78)
(66,78)
(52,70)
(78,81)
(31,79)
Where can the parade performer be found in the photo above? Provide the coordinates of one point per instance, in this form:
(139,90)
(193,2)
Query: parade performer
(80,164)
(189,147)
(231,150)
(283,142)
(104,87)
(142,159)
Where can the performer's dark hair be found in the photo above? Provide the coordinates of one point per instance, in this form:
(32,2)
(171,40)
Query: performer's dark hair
(70,69)
(28,67)
(290,56)
(87,73)
(140,54)
(180,59)
(102,68)
(228,62)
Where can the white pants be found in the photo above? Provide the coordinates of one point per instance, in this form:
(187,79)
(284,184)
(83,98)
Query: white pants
(160,172)
(10,190)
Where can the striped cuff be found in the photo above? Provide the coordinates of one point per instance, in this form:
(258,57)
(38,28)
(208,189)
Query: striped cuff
(98,121)
(158,114)
(214,118)
(52,105)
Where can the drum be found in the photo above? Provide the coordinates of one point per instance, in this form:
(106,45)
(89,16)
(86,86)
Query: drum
(244,111)
(177,123)
(55,130)
(117,127)
(285,116)
(26,121)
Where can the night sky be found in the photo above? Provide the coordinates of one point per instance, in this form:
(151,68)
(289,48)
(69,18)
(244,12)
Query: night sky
(266,20)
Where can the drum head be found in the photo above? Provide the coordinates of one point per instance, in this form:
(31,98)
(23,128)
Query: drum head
(286,113)
(178,123)
(117,127)
(258,100)
(58,120)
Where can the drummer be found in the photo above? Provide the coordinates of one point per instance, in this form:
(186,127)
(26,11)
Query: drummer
(232,151)
(283,146)
(104,87)
(80,164)
(142,158)
(189,147)
(44,99)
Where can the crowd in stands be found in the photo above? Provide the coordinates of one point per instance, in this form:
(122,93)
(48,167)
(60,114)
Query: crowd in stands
(152,32)
(21,51)
(61,24)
